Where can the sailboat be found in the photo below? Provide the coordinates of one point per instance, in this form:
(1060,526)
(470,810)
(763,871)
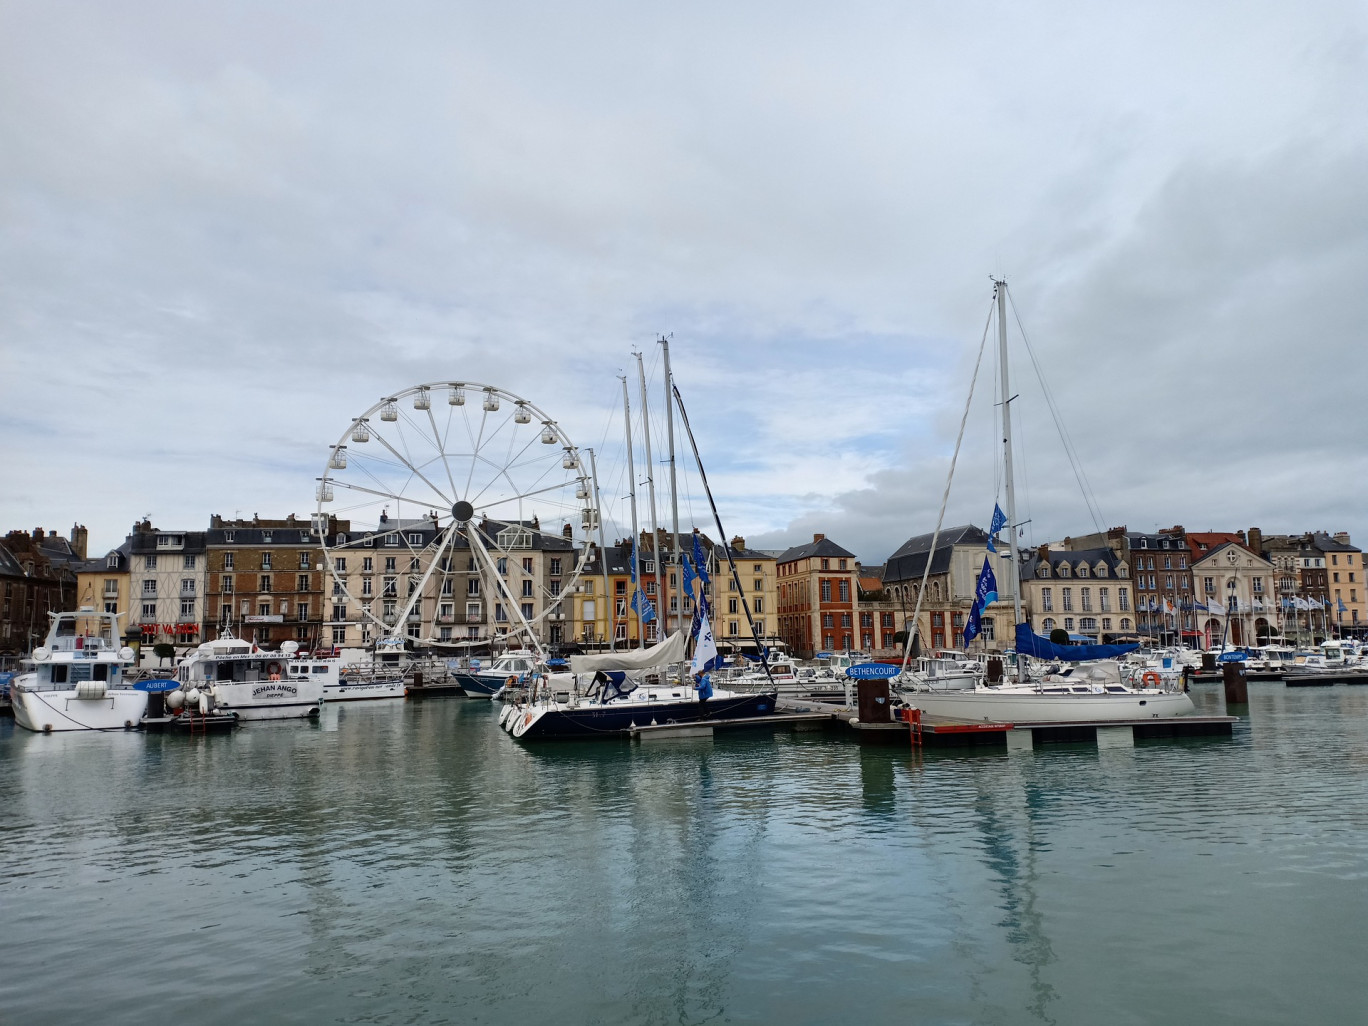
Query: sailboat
(608,694)
(1092,691)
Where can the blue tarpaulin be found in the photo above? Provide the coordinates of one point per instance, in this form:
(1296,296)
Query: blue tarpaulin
(1032,644)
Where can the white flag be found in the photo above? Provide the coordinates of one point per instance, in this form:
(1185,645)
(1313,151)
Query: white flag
(705,652)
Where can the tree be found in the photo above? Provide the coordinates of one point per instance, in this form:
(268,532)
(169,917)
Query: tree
(1060,636)
(164,650)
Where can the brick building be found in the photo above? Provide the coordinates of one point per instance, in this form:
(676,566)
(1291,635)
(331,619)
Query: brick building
(818,589)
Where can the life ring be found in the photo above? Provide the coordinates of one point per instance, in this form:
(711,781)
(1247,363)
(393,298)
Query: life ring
(1150,678)
(274,670)
(275,676)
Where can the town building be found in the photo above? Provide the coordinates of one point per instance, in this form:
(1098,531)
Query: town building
(1230,577)
(758,573)
(167,574)
(39,577)
(265,579)
(462,604)
(102,584)
(951,588)
(818,589)
(1162,577)
(1085,592)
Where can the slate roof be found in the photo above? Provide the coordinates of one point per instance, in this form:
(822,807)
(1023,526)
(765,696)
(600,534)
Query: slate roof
(100,564)
(824,547)
(909,561)
(1030,565)
(8,564)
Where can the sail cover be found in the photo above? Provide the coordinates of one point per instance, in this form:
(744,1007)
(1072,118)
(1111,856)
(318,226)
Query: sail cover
(671,650)
(1032,644)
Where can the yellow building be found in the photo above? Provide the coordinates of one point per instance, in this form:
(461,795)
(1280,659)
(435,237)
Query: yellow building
(102,584)
(759,586)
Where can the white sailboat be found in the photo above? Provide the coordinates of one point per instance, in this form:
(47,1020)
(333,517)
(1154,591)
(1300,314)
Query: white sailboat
(1088,694)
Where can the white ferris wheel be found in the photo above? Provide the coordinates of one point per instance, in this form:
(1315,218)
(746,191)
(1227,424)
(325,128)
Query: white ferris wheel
(448,482)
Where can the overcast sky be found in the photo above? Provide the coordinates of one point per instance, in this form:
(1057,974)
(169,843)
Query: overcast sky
(227,229)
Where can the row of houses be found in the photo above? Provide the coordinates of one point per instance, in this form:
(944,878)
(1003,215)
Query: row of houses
(267,579)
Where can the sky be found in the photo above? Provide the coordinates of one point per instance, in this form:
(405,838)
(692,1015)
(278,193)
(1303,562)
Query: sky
(228,229)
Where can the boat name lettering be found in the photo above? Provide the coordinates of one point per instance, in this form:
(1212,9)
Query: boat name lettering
(275,691)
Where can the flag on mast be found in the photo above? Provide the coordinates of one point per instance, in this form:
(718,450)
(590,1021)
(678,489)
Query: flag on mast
(705,655)
(999,522)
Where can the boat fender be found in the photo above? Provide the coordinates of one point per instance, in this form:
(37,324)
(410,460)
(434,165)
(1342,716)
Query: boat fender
(1150,678)
(274,670)
(192,696)
(175,699)
(89,689)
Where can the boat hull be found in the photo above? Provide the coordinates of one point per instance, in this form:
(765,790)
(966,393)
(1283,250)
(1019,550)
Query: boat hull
(480,685)
(1037,707)
(560,722)
(356,690)
(269,700)
(47,711)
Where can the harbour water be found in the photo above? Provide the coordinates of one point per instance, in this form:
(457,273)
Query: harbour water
(407,862)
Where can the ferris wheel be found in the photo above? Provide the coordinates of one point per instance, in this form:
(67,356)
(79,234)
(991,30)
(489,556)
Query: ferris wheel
(415,503)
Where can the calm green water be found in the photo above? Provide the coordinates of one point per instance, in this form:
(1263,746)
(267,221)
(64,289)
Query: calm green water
(408,862)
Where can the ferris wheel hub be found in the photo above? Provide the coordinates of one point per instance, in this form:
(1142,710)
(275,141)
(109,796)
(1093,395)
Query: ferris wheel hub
(463,512)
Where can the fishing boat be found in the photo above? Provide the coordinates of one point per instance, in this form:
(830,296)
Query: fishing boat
(238,677)
(77,680)
(1095,694)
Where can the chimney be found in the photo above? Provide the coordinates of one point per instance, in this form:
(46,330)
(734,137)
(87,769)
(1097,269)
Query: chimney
(79,536)
(1256,541)
(818,537)
(1241,536)
(215,522)
(567,531)
(1044,553)
(739,543)
(1343,537)
(37,534)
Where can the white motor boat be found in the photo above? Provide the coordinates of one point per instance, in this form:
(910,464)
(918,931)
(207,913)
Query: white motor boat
(343,684)
(255,684)
(77,680)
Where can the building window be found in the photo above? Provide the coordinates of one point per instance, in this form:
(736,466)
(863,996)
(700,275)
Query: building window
(150,563)
(228,561)
(759,604)
(555,566)
(845,619)
(189,563)
(1088,623)
(227,584)
(149,611)
(1104,599)
(1068,623)
(472,610)
(527,610)
(339,635)
(1047,600)
(187,609)
(1047,624)
(1067,596)
(988,628)
(826,588)
(843,587)
(263,609)
(828,620)
(733,628)
(526,589)
(1086,597)
(1122,599)
(265,582)
(731,606)
(391,540)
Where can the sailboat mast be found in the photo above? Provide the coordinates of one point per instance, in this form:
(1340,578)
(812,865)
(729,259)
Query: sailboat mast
(650,483)
(1001,289)
(674,490)
(603,556)
(631,484)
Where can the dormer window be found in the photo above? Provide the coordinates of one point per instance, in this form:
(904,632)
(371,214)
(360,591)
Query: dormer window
(1082,569)
(515,538)
(1063,569)
(1122,570)
(1100,570)
(112,562)
(1043,570)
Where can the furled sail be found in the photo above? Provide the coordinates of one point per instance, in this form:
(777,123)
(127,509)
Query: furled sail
(671,650)
(1032,644)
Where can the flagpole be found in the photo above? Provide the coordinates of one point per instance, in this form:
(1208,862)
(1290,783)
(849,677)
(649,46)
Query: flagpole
(631,481)
(1010,490)
(717,519)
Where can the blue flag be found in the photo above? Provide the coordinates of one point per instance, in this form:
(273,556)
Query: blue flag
(641,604)
(999,522)
(985,593)
(700,561)
(1342,607)
(686,567)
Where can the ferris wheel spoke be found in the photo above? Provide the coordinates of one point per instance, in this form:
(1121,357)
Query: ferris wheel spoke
(369,491)
(416,594)
(441,449)
(381,439)
(477,545)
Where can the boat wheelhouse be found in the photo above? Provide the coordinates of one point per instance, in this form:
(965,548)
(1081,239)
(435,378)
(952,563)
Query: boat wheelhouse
(77,681)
